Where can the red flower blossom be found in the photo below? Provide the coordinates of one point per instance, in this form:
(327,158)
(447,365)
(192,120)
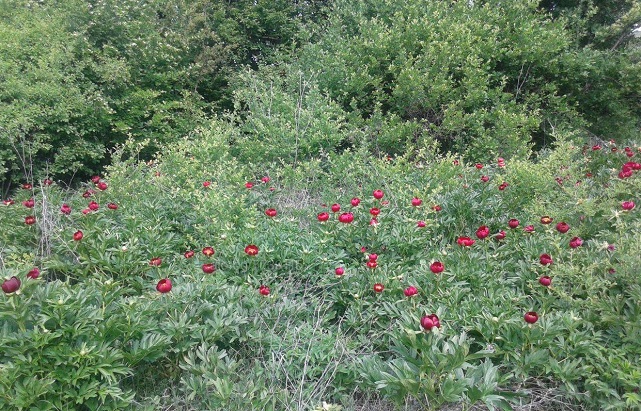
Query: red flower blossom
(465,241)
(265,179)
(93,206)
(77,236)
(528,228)
(562,227)
(501,162)
(95,179)
(420,224)
(545,281)
(430,321)
(339,271)
(323,216)
(478,166)
(155,262)
(206,184)
(208,268)
(112,206)
(249,185)
(263,290)
(11,285)
(482,232)
(628,205)
(436,208)
(336,208)
(29,203)
(27,186)
(378,194)
(8,202)
(88,193)
(416,202)
(102,186)
(500,235)
(372,264)
(576,242)
(410,291)
(374,211)
(47,182)
(251,249)
(189,254)
(545,259)
(29,220)
(531,317)
(33,273)
(503,186)
(346,218)
(271,212)
(546,220)
(437,267)
(208,251)
(164,285)
(513,223)
(378,288)
(485,179)
(355,201)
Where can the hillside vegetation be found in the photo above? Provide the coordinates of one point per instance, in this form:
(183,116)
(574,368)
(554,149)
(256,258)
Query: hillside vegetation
(266,205)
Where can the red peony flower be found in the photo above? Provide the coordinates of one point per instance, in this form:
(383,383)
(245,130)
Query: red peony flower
(95,179)
(482,232)
(501,162)
(485,179)
(208,251)
(29,220)
(265,179)
(545,281)
(373,222)
(33,273)
(93,206)
(513,223)
(8,202)
(336,208)
(378,194)
(546,220)
(206,184)
(11,285)
(430,321)
(465,241)
(112,206)
(373,257)
(378,288)
(416,202)
(437,267)
(420,224)
(65,209)
(628,205)
(576,242)
(249,185)
(478,166)
(263,290)
(339,271)
(374,211)
(102,186)
(531,317)
(164,285)
(251,250)
(346,218)
(503,186)
(528,228)
(562,227)
(436,208)
(27,186)
(29,203)
(372,264)
(323,216)
(410,291)
(500,235)
(545,259)
(88,193)
(208,268)
(271,212)
(155,262)
(356,201)
(47,182)
(189,254)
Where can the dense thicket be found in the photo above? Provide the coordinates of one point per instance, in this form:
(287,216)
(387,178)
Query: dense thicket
(79,77)
(483,78)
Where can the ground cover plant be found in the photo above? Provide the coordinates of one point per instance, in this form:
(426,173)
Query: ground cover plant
(178,284)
